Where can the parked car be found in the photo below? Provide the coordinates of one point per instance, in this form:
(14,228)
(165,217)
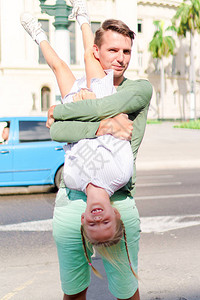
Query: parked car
(28,156)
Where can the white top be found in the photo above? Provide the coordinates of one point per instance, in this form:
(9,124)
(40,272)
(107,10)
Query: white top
(101,87)
(104,161)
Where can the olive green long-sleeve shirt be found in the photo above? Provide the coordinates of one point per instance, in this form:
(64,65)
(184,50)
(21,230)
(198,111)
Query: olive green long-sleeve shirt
(82,119)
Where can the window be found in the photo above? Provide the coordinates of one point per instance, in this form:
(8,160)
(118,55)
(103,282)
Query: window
(45,98)
(45,27)
(33,131)
(173,65)
(72,40)
(175,95)
(139,26)
(95,26)
(157,98)
(140,60)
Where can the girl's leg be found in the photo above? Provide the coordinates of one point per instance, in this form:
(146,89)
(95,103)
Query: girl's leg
(92,66)
(63,74)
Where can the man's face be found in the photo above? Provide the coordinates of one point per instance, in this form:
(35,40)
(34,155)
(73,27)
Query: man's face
(114,53)
(5,133)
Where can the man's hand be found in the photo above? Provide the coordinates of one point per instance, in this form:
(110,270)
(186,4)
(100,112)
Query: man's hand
(50,119)
(120,127)
(84,94)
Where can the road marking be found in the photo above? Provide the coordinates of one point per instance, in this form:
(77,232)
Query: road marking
(148,224)
(154,176)
(42,225)
(167,223)
(167,196)
(16,290)
(159,184)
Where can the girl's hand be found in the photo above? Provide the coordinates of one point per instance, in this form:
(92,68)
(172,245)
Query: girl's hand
(84,94)
(120,127)
(50,119)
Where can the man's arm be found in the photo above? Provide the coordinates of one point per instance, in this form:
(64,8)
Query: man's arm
(73,131)
(135,96)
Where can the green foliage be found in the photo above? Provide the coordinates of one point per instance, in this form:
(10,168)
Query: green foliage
(154,122)
(189,125)
(162,45)
(187,17)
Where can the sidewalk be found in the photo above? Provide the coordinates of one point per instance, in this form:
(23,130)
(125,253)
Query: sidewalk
(165,147)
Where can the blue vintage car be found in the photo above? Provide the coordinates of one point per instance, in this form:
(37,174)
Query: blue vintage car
(29,156)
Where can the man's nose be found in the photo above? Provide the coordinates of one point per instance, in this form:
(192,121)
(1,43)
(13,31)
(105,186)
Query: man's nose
(120,56)
(97,218)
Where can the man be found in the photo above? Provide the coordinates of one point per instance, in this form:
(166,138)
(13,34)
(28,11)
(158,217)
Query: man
(5,134)
(88,119)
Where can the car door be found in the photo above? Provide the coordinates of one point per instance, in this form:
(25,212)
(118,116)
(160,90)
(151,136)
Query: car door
(6,155)
(36,156)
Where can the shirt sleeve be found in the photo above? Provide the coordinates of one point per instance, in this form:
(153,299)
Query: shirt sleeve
(73,131)
(134,97)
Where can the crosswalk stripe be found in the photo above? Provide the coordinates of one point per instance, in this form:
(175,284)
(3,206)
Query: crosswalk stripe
(148,224)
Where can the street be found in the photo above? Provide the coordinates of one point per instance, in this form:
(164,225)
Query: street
(169,263)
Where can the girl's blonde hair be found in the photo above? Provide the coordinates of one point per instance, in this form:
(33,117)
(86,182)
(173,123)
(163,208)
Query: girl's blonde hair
(101,246)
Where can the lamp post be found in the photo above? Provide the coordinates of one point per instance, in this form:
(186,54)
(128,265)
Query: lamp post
(60,10)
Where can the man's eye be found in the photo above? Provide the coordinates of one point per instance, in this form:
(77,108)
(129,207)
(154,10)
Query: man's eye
(91,224)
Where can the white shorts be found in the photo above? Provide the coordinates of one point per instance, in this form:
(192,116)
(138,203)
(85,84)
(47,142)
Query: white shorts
(105,161)
(100,86)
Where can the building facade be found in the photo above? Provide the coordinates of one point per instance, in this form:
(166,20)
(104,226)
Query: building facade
(177,99)
(28,87)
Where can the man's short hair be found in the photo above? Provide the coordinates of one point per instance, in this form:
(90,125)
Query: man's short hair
(113,25)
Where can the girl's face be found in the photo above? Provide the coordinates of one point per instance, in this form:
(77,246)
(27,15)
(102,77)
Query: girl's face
(100,221)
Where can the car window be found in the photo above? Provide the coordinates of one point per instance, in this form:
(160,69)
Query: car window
(33,131)
(4,132)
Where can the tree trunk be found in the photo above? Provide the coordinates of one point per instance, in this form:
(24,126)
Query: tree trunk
(192,80)
(162,86)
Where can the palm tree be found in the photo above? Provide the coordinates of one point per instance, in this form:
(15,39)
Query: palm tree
(188,19)
(162,46)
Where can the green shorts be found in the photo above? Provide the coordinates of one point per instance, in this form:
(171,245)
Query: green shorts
(74,268)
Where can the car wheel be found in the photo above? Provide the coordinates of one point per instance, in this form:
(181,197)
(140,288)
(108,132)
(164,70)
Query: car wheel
(58,177)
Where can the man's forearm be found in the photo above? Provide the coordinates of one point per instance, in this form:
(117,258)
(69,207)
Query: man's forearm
(73,131)
(128,100)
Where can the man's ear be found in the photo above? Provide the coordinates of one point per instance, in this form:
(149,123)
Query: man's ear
(82,218)
(96,51)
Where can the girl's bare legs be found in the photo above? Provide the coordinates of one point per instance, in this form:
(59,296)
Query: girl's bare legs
(63,74)
(93,67)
